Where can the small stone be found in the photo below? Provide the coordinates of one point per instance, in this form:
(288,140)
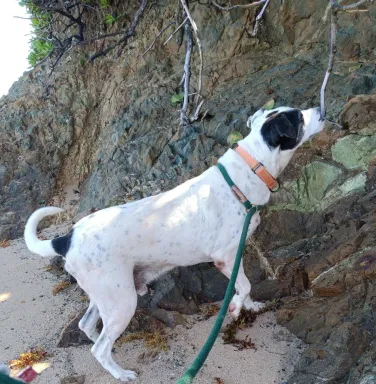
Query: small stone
(73,380)
(71,335)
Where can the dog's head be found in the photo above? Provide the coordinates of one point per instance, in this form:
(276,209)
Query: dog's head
(285,128)
(277,133)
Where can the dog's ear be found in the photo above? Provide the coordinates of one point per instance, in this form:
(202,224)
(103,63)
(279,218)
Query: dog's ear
(282,129)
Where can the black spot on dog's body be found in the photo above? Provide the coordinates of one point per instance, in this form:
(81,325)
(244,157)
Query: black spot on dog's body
(62,244)
(283,129)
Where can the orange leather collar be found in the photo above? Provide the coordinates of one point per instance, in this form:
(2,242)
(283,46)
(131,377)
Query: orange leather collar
(258,168)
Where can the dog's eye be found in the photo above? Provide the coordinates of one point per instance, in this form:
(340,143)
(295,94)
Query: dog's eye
(302,118)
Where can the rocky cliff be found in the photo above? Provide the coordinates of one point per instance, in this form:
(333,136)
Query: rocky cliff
(110,131)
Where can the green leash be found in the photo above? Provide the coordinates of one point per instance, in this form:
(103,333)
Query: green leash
(4,379)
(192,371)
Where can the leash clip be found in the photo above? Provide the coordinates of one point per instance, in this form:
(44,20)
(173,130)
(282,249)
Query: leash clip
(276,187)
(239,194)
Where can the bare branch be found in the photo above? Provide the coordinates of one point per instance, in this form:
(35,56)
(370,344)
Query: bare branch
(239,5)
(195,29)
(176,30)
(259,17)
(45,58)
(187,75)
(23,18)
(332,52)
(127,34)
(335,7)
(156,37)
(351,6)
(102,37)
(197,112)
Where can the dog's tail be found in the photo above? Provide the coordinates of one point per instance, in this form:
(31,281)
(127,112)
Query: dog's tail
(43,248)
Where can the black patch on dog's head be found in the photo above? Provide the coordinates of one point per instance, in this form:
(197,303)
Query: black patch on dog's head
(271,114)
(283,129)
(62,244)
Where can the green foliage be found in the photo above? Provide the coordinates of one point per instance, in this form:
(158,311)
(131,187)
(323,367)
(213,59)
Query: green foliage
(104,3)
(109,19)
(233,138)
(39,50)
(177,98)
(269,105)
(39,47)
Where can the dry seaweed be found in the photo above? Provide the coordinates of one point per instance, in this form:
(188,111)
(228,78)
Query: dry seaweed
(61,287)
(4,243)
(209,310)
(153,340)
(245,319)
(28,358)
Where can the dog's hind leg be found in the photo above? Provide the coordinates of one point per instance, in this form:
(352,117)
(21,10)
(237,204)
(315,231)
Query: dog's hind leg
(88,323)
(116,299)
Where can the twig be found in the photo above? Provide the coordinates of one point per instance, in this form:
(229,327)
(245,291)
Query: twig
(127,34)
(45,58)
(259,17)
(350,6)
(23,18)
(332,52)
(176,30)
(195,29)
(197,112)
(157,37)
(187,74)
(334,8)
(101,37)
(239,5)
(182,80)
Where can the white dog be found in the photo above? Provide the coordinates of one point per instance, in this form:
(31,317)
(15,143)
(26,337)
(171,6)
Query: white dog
(114,253)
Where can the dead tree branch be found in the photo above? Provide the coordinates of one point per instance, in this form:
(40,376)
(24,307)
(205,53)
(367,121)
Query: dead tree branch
(334,9)
(332,52)
(158,36)
(129,33)
(239,5)
(351,6)
(195,30)
(197,112)
(187,74)
(259,17)
(176,30)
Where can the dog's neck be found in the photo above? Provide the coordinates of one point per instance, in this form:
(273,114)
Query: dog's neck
(250,184)
(275,161)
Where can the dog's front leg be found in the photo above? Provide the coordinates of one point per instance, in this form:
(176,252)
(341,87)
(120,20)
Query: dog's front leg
(243,289)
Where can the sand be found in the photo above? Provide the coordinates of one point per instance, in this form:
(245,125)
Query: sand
(30,316)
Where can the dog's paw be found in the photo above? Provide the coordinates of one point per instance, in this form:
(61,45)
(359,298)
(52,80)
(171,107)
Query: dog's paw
(255,306)
(127,376)
(234,310)
(142,290)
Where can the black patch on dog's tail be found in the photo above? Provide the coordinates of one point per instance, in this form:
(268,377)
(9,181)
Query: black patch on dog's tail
(62,244)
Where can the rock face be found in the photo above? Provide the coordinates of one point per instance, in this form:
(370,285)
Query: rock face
(110,129)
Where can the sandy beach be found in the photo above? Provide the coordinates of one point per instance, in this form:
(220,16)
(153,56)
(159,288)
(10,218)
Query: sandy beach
(32,316)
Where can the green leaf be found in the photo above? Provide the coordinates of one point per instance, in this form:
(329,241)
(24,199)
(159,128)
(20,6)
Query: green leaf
(233,138)
(109,19)
(269,105)
(177,98)
(39,50)
(104,3)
